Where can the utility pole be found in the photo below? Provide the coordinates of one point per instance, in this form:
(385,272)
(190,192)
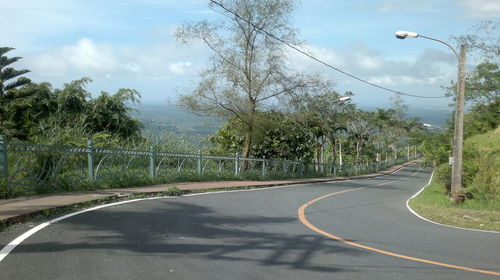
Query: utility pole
(457,194)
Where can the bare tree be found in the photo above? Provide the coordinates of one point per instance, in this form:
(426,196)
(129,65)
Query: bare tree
(247,69)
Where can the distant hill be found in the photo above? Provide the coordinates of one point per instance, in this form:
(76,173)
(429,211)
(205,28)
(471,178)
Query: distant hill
(434,116)
(158,119)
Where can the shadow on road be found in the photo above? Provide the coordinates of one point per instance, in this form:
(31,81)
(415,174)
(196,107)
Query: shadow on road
(177,228)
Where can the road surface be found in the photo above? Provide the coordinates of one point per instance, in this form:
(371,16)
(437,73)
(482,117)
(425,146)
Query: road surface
(316,231)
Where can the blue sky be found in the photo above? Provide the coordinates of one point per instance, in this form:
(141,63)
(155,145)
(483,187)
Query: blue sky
(130,43)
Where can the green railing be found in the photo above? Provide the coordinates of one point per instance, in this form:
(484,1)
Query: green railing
(32,168)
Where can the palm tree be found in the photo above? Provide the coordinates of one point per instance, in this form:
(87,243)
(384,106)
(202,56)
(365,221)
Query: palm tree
(9,73)
(8,108)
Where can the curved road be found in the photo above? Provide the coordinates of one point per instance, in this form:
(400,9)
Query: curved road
(316,231)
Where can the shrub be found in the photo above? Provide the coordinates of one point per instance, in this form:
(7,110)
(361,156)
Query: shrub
(443,176)
(487,180)
(173,191)
(6,191)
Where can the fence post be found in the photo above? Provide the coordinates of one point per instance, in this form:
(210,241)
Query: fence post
(237,165)
(264,167)
(4,163)
(199,162)
(152,162)
(90,160)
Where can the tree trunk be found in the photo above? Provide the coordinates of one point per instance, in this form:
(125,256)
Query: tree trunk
(318,156)
(247,144)
(357,152)
(334,151)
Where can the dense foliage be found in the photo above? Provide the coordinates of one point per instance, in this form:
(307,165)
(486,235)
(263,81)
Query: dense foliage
(480,122)
(39,113)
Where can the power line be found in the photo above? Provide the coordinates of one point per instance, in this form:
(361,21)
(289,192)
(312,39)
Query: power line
(261,30)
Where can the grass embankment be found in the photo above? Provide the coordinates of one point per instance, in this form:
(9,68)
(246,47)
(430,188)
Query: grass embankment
(434,204)
(483,210)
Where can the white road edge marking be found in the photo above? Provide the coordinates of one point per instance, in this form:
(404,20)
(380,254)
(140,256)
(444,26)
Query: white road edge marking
(14,243)
(436,223)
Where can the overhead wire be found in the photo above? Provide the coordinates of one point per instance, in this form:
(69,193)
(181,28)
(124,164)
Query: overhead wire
(268,34)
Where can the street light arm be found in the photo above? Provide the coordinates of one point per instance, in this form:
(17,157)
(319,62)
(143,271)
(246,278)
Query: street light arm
(442,42)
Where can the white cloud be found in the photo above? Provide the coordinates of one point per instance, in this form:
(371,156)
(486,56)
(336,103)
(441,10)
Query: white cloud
(431,68)
(382,80)
(85,56)
(367,62)
(481,8)
(179,67)
(91,59)
(133,67)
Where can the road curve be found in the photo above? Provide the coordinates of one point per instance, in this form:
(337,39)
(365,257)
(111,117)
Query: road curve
(276,233)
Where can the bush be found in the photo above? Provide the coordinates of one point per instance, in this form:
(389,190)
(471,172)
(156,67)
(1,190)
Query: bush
(487,179)
(6,191)
(172,191)
(443,176)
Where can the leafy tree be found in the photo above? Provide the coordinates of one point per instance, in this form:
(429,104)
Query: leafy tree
(482,40)
(482,93)
(109,113)
(323,116)
(385,120)
(398,107)
(361,128)
(24,109)
(247,69)
(277,136)
(482,119)
(284,139)
(228,139)
(483,84)
(72,100)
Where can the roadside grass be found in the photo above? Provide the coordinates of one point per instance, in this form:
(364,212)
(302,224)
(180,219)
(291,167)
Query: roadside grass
(130,180)
(476,213)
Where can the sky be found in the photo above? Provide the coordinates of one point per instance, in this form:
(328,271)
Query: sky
(131,44)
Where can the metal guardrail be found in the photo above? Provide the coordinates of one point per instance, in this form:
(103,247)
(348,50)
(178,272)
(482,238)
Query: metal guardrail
(32,167)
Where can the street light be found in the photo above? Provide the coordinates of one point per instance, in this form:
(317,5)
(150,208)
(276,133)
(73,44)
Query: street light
(341,99)
(345,98)
(432,126)
(458,135)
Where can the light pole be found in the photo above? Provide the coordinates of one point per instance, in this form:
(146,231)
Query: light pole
(457,193)
(341,99)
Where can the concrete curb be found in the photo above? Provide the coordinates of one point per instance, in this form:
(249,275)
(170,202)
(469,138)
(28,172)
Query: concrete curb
(113,195)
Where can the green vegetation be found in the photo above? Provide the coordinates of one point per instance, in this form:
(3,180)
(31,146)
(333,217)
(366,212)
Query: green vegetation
(248,75)
(482,181)
(481,161)
(312,127)
(172,191)
(434,204)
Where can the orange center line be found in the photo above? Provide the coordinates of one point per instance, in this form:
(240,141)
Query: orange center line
(303,219)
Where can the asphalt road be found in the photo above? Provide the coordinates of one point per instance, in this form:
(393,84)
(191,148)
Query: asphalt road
(257,235)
